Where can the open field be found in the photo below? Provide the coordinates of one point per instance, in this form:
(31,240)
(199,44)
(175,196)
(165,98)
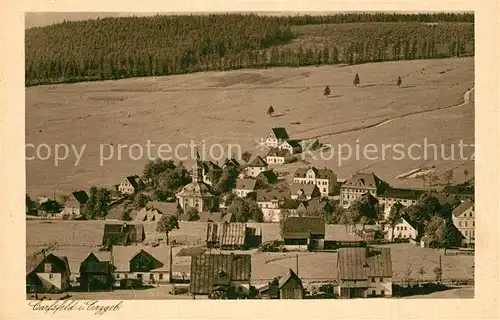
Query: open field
(230,108)
(76,238)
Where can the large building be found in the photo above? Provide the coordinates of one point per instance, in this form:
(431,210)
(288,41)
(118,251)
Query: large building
(276,137)
(197,194)
(325,178)
(255,167)
(463,218)
(47,273)
(358,185)
(406,197)
(364,272)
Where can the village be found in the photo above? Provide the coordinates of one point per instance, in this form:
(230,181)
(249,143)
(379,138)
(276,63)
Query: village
(360,227)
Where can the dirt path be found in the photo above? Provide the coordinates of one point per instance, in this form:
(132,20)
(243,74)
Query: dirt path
(387,121)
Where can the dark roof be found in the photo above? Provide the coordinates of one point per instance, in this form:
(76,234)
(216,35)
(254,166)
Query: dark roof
(258,162)
(269,175)
(307,188)
(289,275)
(290,204)
(316,205)
(159,255)
(273,194)
(294,143)
(246,184)
(413,224)
(280,133)
(96,267)
(35,260)
(396,193)
(309,225)
(122,234)
(206,270)
(275,152)
(232,162)
(361,263)
(324,173)
(81,196)
(462,207)
(194,251)
(226,234)
(362,179)
(134,180)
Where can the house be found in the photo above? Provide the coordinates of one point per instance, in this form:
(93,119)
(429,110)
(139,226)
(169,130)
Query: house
(122,234)
(304,191)
(270,200)
(278,156)
(212,272)
(47,273)
(74,206)
(234,235)
(96,272)
(293,146)
(244,187)
(325,179)
(208,168)
(314,206)
(141,265)
(364,272)
(463,218)
(130,185)
(266,178)
(255,167)
(406,197)
(303,233)
(291,206)
(154,210)
(405,229)
(358,185)
(275,138)
(197,194)
(231,163)
(288,286)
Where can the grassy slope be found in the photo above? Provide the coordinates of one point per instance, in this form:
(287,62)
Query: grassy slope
(230,107)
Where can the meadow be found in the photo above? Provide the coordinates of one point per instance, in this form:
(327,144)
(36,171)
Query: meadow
(230,108)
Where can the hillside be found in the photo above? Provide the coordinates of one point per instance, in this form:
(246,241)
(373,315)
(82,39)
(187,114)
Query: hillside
(124,47)
(230,108)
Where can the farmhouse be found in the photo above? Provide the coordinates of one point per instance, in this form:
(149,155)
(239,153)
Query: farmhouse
(405,229)
(96,272)
(364,272)
(234,235)
(303,233)
(255,167)
(47,273)
(293,146)
(74,206)
(315,205)
(244,187)
(358,185)
(288,286)
(406,197)
(304,191)
(266,178)
(276,137)
(325,178)
(213,272)
(141,264)
(463,218)
(270,201)
(130,185)
(122,234)
(197,194)
(277,156)
(208,168)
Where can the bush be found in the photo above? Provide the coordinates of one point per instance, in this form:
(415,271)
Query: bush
(271,246)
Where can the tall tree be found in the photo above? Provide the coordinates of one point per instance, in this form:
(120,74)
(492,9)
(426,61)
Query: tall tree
(356,80)
(327,91)
(166,224)
(270,110)
(399,82)
(246,156)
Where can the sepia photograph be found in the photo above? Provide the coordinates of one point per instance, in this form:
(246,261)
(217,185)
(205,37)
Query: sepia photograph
(249,155)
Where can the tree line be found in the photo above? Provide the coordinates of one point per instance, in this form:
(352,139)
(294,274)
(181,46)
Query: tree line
(114,48)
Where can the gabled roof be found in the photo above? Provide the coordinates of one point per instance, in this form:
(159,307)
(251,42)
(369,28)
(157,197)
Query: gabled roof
(280,133)
(396,193)
(134,180)
(96,267)
(361,263)
(275,152)
(231,162)
(461,208)
(290,204)
(269,175)
(307,188)
(168,208)
(246,184)
(35,260)
(289,275)
(226,234)
(406,218)
(308,225)
(206,269)
(362,179)
(258,162)
(188,252)
(81,196)
(209,166)
(123,254)
(293,143)
(316,205)
(324,173)
(265,195)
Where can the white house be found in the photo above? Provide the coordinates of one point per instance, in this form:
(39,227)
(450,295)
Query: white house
(277,156)
(403,230)
(325,178)
(130,185)
(255,167)
(276,137)
(244,187)
(357,186)
(270,201)
(293,146)
(464,219)
(74,206)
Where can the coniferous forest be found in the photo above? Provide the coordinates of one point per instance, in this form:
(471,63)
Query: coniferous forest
(114,48)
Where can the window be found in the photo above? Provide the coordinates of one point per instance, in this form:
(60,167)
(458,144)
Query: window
(51,276)
(139,276)
(382,293)
(473,224)
(161,276)
(373,279)
(465,223)
(373,292)
(324,189)
(466,233)
(126,276)
(405,228)
(459,223)
(151,276)
(117,276)
(381,279)
(470,214)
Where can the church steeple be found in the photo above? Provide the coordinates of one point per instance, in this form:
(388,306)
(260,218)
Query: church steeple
(197,168)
